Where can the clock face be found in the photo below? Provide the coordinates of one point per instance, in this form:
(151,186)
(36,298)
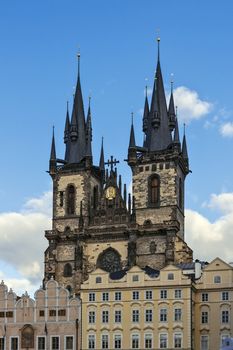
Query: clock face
(110,192)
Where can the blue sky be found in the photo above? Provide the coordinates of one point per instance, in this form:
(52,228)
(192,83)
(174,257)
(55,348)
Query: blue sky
(38,68)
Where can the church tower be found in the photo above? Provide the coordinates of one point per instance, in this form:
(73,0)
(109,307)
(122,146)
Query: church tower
(159,169)
(95,223)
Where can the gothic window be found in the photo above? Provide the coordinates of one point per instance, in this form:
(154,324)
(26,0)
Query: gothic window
(154,190)
(67,270)
(27,337)
(109,260)
(70,204)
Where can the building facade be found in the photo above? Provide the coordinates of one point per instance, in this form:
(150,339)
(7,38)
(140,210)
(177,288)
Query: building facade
(50,321)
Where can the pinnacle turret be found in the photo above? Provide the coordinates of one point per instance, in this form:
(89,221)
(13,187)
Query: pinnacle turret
(132,135)
(67,134)
(89,132)
(53,158)
(101,162)
(171,110)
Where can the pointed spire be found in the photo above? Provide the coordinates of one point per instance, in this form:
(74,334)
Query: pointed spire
(184,147)
(53,158)
(53,148)
(78,135)
(101,162)
(176,132)
(158,135)
(132,136)
(171,110)
(67,133)
(89,131)
(146,113)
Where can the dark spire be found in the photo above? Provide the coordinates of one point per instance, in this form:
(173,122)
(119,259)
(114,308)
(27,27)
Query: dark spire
(67,133)
(145,114)
(158,134)
(53,158)
(101,162)
(176,132)
(132,136)
(53,148)
(89,131)
(78,137)
(184,147)
(171,110)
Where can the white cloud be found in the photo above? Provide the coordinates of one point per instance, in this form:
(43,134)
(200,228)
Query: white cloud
(211,239)
(226,129)
(22,240)
(189,104)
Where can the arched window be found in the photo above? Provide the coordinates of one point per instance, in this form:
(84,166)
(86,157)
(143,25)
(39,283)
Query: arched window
(67,270)
(154,190)
(70,204)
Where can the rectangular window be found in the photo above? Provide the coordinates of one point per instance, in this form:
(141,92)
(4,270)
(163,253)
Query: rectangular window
(98,280)
(148,341)
(225,316)
(117,316)
(163,315)
(163,294)
(52,312)
(204,317)
(149,315)
(177,340)
(149,294)
(105,316)
(14,343)
(205,297)
(225,295)
(170,276)
(135,341)
(91,296)
(91,316)
(55,343)
(105,296)
(104,341)
(117,296)
(178,294)
(163,341)
(69,342)
(41,343)
(135,316)
(91,341)
(204,342)
(135,278)
(117,341)
(9,314)
(217,279)
(2,343)
(2,314)
(41,313)
(177,315)
(62,312)
(135,295)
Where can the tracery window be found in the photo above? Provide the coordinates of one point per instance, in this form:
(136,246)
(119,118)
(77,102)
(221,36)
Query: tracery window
(70,203)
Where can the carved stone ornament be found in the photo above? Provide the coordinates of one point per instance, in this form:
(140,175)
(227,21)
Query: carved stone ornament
(109,260)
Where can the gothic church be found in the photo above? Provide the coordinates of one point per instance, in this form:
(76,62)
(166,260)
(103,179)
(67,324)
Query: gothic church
(95,223)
